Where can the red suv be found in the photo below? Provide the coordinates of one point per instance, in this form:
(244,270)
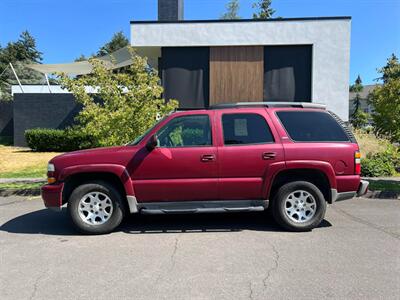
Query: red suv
(292,158)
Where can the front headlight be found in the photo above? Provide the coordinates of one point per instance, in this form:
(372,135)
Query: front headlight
(51,167)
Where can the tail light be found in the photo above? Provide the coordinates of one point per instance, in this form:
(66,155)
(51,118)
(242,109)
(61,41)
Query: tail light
(357,162)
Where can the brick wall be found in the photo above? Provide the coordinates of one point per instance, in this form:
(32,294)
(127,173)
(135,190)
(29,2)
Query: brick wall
(6,121)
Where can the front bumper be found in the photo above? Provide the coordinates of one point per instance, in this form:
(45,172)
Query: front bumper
(363,188)
(52,195)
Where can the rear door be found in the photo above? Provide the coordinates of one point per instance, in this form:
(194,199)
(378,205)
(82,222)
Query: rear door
(249,150)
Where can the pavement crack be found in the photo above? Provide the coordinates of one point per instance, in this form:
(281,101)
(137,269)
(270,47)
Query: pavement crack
(251,290)
(174,253)
(365,222)
(274,267)
(172,260)
(36,284)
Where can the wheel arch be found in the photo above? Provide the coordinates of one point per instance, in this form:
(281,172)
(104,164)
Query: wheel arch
(118,178)
(313,175)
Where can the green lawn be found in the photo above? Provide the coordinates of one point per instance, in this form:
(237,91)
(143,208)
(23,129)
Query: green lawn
(381,185)
(21,186)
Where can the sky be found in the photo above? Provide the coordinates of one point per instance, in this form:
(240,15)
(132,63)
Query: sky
(66,29)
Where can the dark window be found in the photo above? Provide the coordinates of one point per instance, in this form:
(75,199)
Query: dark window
(187,131)
(307,126)
(287,73)
(242,129)
(185,75)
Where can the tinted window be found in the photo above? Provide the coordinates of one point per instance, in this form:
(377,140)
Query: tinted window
(186,131)
(307,126)
(242,129)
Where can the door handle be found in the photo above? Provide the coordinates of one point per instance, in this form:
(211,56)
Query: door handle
(207,157)
(268,155)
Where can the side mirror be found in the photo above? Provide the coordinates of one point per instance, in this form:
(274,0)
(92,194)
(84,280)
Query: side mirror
(152,143)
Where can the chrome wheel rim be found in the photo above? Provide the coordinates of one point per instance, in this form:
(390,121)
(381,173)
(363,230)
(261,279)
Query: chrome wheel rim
(95,208)
(300,206)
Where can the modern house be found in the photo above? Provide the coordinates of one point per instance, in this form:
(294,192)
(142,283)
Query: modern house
(208,62)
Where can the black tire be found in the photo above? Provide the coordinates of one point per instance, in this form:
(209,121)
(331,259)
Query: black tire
(113,221)
(279,208)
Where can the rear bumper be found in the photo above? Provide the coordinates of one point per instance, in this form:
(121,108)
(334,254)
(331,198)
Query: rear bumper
(52,195)
(362,190)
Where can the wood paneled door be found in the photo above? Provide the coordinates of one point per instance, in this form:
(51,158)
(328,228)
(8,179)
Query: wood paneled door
(236,74)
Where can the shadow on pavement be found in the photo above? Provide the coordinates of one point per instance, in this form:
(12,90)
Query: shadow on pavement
(58,223)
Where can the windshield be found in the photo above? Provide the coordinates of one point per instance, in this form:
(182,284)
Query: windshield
(141,137)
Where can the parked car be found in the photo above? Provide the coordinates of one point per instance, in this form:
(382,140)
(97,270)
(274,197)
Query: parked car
(292,158)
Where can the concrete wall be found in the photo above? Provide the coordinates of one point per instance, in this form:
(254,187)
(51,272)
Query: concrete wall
(329,37)
(6,121)
(42,111)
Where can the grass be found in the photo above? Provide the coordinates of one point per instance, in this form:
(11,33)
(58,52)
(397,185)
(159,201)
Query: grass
(23,163)
(370,144)
(21,185)
(380,185)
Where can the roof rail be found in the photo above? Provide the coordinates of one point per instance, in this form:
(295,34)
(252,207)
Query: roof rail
(270,104)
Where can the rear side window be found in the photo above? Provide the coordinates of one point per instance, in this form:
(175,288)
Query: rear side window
(241,129)
(310,126)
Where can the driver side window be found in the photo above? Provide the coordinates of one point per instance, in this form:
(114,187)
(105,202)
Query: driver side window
(186,131)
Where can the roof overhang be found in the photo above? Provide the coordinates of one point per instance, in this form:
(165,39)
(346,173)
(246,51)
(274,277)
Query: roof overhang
(148,37)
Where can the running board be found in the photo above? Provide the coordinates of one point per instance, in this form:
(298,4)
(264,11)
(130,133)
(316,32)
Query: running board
(193,207)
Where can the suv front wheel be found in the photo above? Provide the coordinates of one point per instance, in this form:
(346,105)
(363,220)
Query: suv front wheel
(95,208)
(298,206)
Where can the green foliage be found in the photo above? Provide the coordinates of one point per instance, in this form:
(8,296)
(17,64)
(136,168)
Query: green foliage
(359,119)
(357,87)
(19,53)
(118,41)
(232,9)
(386,101)
(56,140)
(263,9)
(381,163)
(130,101)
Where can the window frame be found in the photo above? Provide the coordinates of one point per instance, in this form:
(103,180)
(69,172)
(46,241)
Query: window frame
(249,144)
(295,141)
(191,146)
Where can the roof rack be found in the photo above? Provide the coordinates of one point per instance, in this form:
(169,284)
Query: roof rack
(258,104)
(270,104)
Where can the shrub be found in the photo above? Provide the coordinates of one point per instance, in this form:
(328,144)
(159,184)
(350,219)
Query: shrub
(56,140)
(381,164)
(130,100)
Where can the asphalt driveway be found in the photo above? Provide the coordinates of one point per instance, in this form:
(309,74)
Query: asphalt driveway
(355,253)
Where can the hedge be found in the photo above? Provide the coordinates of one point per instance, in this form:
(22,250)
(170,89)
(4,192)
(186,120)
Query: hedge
(57,140)
(383,163)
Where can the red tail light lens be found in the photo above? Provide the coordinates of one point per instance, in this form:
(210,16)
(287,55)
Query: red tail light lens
(357,162)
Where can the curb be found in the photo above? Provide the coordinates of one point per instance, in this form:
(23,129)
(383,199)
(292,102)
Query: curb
(19,192)
(382,195)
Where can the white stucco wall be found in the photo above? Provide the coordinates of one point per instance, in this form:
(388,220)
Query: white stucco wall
(330,39)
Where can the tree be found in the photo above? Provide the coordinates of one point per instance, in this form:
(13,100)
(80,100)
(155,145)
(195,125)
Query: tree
(358,118)
(264,10)
(19,53)
(386,100)
(118,41)
(232,9)
(130,102)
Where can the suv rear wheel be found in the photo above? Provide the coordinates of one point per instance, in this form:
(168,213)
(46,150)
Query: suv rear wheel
(95,208)
(299,206)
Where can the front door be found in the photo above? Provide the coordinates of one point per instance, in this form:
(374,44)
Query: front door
(184,165)
(248,152)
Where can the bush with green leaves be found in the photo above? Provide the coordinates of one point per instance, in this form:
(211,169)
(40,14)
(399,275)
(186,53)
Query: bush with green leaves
(57,140)
(130,101)
(381,164)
